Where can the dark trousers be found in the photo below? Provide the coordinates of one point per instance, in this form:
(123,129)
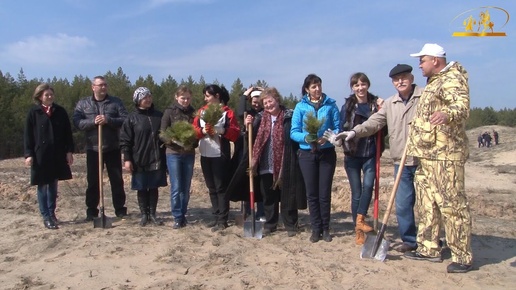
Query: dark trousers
(318,169)
(215,171)
(113,163)
(271,206)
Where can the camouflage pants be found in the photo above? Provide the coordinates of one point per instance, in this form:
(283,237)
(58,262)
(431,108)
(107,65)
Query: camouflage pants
(440,194)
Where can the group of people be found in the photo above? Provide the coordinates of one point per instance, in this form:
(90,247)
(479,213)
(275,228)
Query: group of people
(484,139)
(292,163)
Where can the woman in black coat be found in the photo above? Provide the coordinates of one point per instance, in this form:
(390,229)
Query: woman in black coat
(48,148)
(143,154)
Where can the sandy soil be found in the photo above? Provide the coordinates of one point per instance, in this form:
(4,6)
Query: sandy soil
(127,256)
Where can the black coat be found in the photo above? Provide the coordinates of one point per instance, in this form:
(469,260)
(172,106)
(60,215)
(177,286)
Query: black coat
(47,140)
(293,191)
(140,142)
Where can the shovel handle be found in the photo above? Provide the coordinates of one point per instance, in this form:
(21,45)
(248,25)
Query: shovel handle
(101,177)
(376,210)
(395,186)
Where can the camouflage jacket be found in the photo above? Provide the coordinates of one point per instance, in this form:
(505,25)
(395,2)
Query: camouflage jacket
(448,92)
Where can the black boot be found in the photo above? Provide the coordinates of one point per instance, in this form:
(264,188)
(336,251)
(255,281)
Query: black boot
(143,203)
(153,204)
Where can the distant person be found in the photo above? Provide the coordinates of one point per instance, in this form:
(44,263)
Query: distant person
(495,136)
(317,158)
(48,147)
(180,160)
(144,155)
(438,138)
(214,146)
(107,112)
(487,139)
(480,140)
(274,157)
(396,113)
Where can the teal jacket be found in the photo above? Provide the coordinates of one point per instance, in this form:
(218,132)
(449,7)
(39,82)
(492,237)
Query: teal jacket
(327,111)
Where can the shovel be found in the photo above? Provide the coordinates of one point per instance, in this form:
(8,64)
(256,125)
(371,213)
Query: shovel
(377,182)
(252,228)
(240,217)
(102,221)
(376,247)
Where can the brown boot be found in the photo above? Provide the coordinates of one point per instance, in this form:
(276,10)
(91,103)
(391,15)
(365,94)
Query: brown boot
(360,237)
(361,225)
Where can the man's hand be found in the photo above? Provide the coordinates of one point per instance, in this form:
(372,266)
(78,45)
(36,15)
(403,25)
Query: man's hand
(330,136)
(346,135)
(438,118)
(100,120)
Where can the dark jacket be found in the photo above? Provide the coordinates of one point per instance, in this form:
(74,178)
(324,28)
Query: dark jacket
(351,116)
(47,141)
(84,119)
(139,140)
(293,193)
(173,114)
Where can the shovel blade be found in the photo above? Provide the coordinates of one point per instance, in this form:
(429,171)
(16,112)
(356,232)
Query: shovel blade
(368,248)
(253,229)
(102,222)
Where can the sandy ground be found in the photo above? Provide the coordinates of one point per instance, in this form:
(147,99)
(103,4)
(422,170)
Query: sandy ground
(127,256)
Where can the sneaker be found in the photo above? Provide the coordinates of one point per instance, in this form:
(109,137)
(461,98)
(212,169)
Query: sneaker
(406,248)
(49,224)
(418,256)
(177,225)
(458,268)
(262,219)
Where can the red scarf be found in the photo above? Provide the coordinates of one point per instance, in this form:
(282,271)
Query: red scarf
(264,131)
(47,110)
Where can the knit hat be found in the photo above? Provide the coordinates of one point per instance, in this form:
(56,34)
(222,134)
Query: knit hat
(139,94)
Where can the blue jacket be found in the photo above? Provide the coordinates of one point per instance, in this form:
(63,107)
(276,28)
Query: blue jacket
(327,111)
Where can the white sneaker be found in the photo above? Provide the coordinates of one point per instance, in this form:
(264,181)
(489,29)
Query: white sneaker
(262,219)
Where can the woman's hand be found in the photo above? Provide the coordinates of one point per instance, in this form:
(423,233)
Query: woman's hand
(128,165)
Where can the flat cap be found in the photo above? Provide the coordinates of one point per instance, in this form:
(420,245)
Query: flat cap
(400,68)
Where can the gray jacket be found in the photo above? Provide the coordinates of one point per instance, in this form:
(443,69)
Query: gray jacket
(84,119)
(396,115)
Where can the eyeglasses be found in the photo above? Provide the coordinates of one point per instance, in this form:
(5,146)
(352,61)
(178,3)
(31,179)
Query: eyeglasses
(100,85)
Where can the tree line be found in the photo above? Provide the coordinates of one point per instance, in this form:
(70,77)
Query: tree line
(16,99)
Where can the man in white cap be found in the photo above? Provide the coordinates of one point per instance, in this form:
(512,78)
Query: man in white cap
(438,139)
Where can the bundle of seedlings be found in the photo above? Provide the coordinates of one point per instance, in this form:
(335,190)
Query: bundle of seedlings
(181,133)
(312,126)
(211,117)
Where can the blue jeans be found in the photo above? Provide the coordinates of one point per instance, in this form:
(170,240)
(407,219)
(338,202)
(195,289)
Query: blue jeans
(180,169)
(47,196)
(405,200)
(361,191)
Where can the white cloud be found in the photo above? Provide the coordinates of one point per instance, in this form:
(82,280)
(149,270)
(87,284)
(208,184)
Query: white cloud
(47,49)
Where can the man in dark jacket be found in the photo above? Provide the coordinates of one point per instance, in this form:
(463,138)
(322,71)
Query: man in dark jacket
(107,112)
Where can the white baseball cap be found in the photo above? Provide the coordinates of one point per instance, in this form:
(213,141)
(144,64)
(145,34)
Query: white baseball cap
(431,49)
(255,93)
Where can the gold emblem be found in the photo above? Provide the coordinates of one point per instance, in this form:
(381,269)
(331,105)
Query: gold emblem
(480,22)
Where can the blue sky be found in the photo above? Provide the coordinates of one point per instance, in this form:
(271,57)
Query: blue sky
(277,41)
